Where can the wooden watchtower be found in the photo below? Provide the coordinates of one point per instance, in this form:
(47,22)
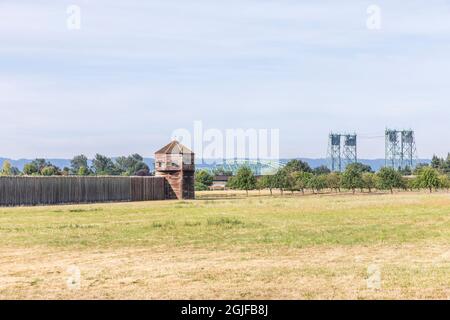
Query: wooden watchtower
(175,162)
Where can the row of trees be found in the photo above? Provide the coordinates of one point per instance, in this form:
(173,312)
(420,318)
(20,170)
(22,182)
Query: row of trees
(298,176)
(80,165)
(441,164)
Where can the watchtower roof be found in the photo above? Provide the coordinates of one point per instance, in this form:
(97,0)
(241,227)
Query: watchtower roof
(174,147)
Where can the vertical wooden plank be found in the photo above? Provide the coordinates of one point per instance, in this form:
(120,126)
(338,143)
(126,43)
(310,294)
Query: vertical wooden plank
(55,190)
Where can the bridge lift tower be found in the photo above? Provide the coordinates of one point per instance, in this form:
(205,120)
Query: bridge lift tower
(334,152)
(350,152)
(400,149)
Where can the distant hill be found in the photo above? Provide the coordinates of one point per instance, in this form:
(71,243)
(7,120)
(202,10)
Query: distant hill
(21,162)
(376,164)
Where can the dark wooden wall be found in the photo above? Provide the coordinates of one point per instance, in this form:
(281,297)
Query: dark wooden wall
(173,183)
(188,184)
(16,191)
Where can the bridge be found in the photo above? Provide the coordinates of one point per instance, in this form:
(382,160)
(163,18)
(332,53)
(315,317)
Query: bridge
(258,167)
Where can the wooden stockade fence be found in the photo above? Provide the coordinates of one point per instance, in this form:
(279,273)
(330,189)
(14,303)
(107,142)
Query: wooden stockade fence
(17,191)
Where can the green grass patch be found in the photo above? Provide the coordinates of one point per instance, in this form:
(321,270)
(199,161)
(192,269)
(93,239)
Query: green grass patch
(293,221)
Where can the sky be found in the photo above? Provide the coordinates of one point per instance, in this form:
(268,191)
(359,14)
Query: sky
(136,71)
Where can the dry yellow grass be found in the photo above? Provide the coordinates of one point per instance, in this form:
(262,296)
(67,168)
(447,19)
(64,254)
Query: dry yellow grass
(230,249)
(412,272)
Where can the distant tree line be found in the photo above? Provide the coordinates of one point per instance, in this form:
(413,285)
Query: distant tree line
(101,165)
(298,176)
(441,164)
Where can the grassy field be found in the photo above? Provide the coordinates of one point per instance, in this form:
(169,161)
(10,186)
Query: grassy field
(225,245)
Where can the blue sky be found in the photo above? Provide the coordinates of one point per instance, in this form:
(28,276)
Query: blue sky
(137,70)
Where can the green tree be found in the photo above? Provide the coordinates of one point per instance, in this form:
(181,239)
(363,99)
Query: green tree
(6,168)
(284,177)
(244,179)
(447,164)
(259,184)
(267,182)
(281,180)
(406,171)
(317,183)
(144,172)
(41,164)
(30,169)
(436,162)
(203,180)
(231,183)
(290,181)
(222,172)
(362,167)
(121,165)
(419,167)
(321,170)
(440,164)
(200,186)
(411,183)
(83,171)
(15,171)
(428,178)
(77,163)
(352,177)
(334,181)
(297,166)
(302,179)
(103,165)
(50,171)
(129,166)
(389,178)
(369,180)
(445,182)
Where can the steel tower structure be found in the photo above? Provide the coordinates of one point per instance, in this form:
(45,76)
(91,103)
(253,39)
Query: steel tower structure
(400,149)
(392,149)
(349,151)
(334,152)
(408,149)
